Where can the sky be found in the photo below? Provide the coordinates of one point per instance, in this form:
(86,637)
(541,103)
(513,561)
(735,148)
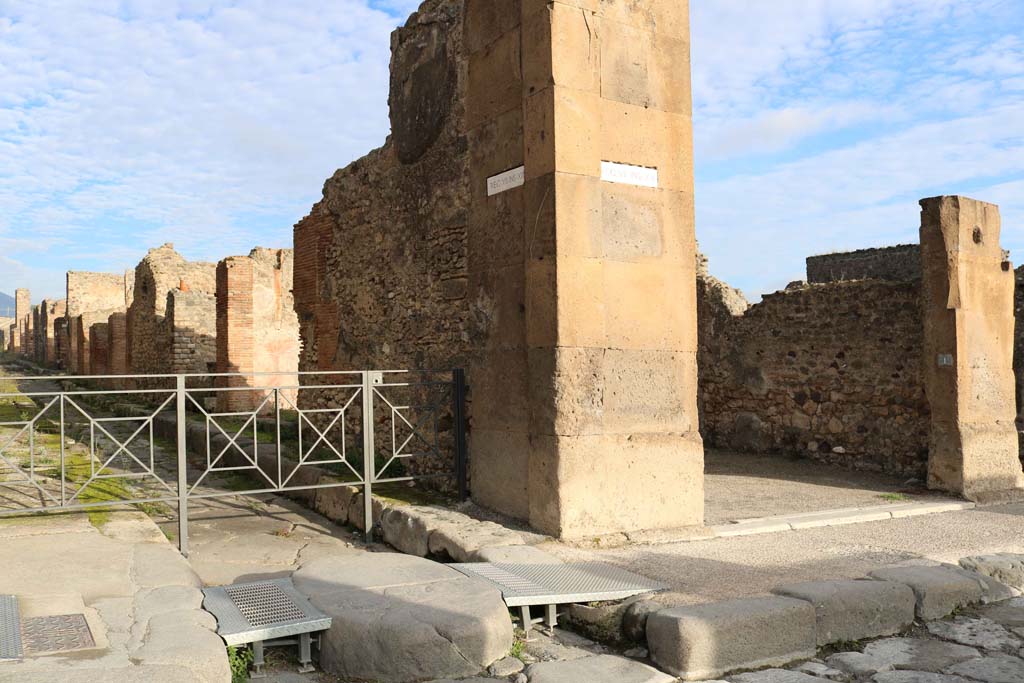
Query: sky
(213,124)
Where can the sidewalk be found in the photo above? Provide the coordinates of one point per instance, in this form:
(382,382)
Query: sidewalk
(139,597)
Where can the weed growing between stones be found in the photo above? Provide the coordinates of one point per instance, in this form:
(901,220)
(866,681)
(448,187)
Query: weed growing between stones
(239,659)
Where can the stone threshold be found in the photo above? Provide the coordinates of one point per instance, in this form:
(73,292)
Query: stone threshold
(837,517)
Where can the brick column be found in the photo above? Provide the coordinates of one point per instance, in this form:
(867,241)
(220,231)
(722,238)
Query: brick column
(99,341)
(235,351)
(582,263)
(22,310)
(969,327)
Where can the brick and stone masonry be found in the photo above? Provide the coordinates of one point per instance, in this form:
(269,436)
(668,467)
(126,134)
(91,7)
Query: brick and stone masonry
(5,333)
(117,344)
(99,340)
(826,371)
(81,342)
(91,293)
(164,278)
(1018,349)
(559,294)
(22,310)
(46,341)
(257,328)
(900,263)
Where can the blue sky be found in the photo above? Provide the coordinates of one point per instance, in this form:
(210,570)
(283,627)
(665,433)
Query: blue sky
(213,124)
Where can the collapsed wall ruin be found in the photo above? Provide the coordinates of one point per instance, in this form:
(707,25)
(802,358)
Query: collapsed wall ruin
(530,219)
(170,321)
(257,329)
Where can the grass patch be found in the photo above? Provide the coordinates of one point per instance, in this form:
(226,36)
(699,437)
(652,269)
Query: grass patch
(894,497)
(239,660)
(518,644)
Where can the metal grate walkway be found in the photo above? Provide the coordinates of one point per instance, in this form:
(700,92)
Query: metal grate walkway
(10,629)
(270,612)
(550,585)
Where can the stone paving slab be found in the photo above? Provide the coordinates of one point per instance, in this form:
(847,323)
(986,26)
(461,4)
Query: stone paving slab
(599,669)
(705,641)
(139,596)
(401,618)
(918,654)
(938,590)
(855,610)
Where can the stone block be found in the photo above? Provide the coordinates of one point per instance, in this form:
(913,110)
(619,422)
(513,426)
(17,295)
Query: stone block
(710,640)
(334,503)
(488,20)
(562,48)
(599,669)
(445,625)
(573,119)
(855,610)
(499,470)
(647,470)
(939,591)
(650,305)
(464,541)
(1007,568)
(494,83)
(565,303)
(656,139)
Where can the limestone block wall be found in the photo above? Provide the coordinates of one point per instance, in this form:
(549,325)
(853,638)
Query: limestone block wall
(257,327)
(832,372)
(898,263)
(99,346)
(150,339)
(192,325)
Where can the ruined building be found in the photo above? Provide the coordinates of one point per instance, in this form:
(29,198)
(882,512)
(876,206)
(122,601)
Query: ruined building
(22,314)
(531,219)
(257,328)
(170,325)
(91,299)
(46,341)
(862,366)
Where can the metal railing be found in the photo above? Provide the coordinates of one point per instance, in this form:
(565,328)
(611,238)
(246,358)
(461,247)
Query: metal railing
(75,443)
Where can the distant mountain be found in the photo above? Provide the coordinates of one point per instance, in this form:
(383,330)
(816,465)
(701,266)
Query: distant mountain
(6,306)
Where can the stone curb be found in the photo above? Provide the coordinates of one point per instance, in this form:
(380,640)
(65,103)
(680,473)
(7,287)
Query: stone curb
(811,520)
(714,639)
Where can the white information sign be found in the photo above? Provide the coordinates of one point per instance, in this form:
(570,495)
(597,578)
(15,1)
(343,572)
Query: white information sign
(503,182)
(627,174)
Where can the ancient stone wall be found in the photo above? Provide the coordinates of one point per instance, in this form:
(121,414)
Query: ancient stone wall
(5,334)
(117,344)
(97,291)
(899,263)
(149,338)
(22,312)
(828,371)
(46,341)
(99,345)
(257,328)
(380,278)
(192,325)
(1018,348)
(380,261)
(61,341)
(81,339)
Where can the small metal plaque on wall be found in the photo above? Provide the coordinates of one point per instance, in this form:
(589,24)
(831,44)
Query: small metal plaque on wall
(627,174)
(945,360)
(503,182)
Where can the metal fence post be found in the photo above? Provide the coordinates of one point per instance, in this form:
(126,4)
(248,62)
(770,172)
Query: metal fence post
(182,469)
(368,455)
(459,425)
